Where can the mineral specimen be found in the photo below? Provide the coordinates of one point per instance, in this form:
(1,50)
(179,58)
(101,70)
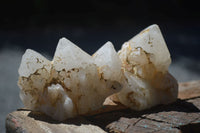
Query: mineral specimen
(74,83)
(145,61)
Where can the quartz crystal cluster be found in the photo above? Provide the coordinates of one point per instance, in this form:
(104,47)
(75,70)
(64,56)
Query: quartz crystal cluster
(145,61)
(75,83)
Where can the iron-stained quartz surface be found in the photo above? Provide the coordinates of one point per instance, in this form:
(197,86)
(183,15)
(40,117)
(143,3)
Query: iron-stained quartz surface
(75,83)
(145,61)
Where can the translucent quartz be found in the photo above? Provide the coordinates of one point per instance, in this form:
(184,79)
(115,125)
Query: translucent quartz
(74,83)
(145,61)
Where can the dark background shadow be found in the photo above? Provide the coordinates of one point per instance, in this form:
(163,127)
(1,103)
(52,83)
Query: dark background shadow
(39,24)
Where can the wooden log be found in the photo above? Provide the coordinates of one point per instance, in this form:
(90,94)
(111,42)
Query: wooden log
(181,116)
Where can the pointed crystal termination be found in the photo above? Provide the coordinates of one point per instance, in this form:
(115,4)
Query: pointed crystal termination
(31,61)
(74,83)
(145,61)
(68,56)
(108,61)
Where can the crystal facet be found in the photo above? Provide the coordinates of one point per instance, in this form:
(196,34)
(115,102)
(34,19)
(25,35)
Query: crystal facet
(145,61)
(75,83)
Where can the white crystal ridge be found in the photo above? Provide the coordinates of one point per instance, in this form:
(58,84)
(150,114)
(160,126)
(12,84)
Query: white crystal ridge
(75,83)
(145,61)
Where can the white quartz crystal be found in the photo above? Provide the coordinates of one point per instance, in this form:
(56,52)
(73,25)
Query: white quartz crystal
(108,61)
(68,56)
(74,83)
(31,62)
(145,61)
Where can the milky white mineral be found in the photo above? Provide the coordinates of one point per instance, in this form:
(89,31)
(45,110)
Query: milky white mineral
(145,61)
(73,83)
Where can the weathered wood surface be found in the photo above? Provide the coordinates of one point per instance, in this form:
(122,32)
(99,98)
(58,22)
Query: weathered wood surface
(181,116)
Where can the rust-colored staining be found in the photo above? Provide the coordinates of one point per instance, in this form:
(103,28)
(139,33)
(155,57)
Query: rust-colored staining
(101,76)
(130,97)
(75,106)
(38,60)
(58,59)
(150,41)
(37,73)
(69,71)
(93,54)
(113,87)
(144,31)
(68,76)
(79,97)
(75,69)
(129,47)
(126,66)
(58,81)
(55,101)
(148,55)
(32,92)
(54,81)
